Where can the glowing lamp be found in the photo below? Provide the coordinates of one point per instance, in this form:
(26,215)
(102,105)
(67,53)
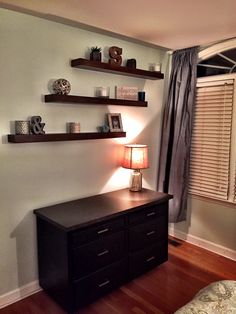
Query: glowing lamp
(136,158)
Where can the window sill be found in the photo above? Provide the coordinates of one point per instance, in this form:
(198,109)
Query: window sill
(213,200)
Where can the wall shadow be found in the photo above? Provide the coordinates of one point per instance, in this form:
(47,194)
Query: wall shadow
(26,249)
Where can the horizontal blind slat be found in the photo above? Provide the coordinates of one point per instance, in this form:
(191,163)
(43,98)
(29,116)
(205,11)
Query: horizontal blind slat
(210,166)
(210,195)
(206,181)
(211,189)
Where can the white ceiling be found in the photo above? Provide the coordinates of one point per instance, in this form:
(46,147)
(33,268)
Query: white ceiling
(173,24)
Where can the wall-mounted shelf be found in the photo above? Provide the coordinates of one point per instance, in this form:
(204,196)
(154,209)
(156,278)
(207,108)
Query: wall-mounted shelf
(121,70)
(93,100)
(53,137)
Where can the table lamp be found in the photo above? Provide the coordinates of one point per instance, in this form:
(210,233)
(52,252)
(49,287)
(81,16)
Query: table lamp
(135,157)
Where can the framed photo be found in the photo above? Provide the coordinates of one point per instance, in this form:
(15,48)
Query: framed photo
(114,122)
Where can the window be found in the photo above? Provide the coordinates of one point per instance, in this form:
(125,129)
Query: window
(212,162)
(220,63)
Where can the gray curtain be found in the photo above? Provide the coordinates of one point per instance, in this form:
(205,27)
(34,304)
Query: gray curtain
(176,132)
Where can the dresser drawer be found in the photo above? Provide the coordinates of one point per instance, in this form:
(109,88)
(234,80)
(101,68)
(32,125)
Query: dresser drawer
(101,282)
(147,259)
(143,235)
(148,213)
(98,254)
(96,232)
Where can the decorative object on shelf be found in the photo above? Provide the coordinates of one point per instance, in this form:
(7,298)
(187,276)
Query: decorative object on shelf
(73,127)
(102,92)
(115,122)
(156,67)
(61,87)
(131,63)
(136,158)
(125,92)
(95,54)
(22,127)
(103,129)
(36,126)
(115,55)
(141,96)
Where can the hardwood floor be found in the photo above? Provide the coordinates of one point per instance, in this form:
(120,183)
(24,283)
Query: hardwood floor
(161,291)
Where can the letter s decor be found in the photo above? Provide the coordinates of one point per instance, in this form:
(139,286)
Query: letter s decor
(115,55)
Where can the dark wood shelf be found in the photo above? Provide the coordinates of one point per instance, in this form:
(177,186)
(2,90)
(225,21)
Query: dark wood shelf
(93,100)
(121,70)
(53,137)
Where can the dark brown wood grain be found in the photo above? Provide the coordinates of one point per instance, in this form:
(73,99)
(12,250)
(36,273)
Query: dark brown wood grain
(121,70)
(93,100)
(53,137)
(160,291)
(87,211)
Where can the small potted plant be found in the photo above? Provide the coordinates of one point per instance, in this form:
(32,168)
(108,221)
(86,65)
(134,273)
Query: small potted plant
(95,54)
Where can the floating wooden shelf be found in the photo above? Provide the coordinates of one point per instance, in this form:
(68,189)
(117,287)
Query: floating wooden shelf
(93,100)
(121,70)
(52,137)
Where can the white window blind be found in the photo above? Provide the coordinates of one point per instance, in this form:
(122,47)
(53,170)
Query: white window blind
(211,140)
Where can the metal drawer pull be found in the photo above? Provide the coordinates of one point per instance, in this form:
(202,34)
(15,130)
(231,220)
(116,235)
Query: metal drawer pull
(103,253)
(104,283)
(103,231)
(150,259)
(151,214)
(150,233)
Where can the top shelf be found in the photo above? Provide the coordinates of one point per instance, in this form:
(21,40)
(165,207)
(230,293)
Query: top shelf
(120,70)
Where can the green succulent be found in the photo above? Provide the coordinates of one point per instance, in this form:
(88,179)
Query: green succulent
(96,49)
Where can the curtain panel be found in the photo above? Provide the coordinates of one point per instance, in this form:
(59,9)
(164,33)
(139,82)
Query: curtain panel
(176,132)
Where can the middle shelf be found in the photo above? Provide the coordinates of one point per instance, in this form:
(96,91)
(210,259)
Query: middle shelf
(53,137)
(93,100)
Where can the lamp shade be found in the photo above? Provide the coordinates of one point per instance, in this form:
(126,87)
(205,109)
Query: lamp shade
(135,156)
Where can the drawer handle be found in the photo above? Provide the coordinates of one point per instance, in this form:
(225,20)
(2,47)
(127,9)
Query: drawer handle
(103,231)
(151,214)
(104,283)
(150,233)
(150,259)
(103,253)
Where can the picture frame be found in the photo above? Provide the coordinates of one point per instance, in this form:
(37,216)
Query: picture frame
(115,122)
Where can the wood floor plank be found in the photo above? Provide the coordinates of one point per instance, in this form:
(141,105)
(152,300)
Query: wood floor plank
(160,291)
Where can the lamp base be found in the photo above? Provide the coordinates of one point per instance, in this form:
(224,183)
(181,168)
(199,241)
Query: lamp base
(136,181)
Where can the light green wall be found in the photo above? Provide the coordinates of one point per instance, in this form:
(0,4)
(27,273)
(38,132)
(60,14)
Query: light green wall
(33,52)
(211,221)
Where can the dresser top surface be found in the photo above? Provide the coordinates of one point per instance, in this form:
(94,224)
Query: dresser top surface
(86,211)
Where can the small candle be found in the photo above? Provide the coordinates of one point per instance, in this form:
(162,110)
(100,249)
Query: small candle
(157,67)
(74,127)
(102,92)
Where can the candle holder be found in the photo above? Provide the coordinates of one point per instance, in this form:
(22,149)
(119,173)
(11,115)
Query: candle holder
(156,67)
(73,127)
(103,92)
(22,127)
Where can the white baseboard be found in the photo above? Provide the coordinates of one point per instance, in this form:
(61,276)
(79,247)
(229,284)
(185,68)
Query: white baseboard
(210,246)
(19,294)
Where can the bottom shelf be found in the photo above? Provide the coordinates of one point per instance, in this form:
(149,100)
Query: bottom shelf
(52,137)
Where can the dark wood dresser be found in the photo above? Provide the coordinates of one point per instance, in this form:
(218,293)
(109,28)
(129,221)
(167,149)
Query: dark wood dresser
(88,247)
